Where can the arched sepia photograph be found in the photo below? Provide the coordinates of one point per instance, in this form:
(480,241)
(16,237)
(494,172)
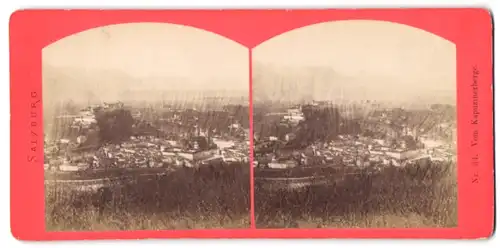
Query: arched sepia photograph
(146,127)
(354,126)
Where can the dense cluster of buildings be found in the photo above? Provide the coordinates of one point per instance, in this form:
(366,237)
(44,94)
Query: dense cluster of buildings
(191,149)
(191,145)
(401,145)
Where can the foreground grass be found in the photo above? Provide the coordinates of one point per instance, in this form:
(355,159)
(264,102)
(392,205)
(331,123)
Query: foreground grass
(414,197)
(207,198)
(91,220)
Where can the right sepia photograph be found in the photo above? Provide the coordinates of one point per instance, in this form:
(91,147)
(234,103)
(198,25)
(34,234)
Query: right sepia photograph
(354,126)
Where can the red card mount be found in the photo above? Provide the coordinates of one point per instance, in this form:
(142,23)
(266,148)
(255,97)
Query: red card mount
(470,30)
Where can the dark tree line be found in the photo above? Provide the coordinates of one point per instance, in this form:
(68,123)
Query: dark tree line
(115,126)
(319,124)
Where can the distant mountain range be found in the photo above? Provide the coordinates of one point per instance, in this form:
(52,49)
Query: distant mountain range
(81,86)
(281,84)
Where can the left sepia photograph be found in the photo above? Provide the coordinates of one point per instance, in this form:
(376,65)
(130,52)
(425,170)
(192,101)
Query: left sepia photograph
(146,127)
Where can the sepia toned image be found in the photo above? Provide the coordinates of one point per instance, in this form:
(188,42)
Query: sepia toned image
(354,126)
(146,127)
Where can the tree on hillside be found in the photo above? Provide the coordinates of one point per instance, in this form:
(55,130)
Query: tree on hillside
(410,142)
(115,126)
(320,124)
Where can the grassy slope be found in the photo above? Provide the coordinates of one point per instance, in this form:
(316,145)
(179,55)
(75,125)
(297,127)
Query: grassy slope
(185,199)
(414,197)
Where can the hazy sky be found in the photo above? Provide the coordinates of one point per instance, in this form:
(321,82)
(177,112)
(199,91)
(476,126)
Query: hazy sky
(371,59)
(153,50)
